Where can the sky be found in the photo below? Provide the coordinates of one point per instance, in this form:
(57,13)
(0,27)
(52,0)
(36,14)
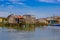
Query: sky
(39,8)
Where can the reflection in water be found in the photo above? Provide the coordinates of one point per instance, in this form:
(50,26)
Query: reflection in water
(21,28)
(31,33)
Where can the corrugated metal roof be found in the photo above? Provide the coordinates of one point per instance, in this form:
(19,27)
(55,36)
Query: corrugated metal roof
(18,16)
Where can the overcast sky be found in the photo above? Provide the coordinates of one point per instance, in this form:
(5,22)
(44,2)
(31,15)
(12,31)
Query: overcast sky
(39,8)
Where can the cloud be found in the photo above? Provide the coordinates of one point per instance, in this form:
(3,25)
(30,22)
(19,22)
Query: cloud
(1,0)
(18,3)
(46,0)
(12,2)
(4,14)
(49,1)
(58,0)
(16,0)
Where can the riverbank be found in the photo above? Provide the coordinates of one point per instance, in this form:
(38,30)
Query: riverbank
(9,24)
(28,27)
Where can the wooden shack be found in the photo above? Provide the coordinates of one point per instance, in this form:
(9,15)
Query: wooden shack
(15,19)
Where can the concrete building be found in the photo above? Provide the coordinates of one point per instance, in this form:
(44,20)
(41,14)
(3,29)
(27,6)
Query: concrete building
(29,19)
(43,20)
(33,18)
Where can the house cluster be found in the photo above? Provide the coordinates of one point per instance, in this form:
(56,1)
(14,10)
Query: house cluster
(15,19)
(50,20)
(54,20)
(29,19)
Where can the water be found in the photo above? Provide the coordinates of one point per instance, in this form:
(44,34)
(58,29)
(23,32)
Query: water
(33,33)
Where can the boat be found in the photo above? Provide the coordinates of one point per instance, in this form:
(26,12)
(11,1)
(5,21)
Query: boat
(54,24)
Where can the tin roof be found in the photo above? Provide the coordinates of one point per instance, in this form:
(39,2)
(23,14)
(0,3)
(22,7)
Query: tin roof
(20,17)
